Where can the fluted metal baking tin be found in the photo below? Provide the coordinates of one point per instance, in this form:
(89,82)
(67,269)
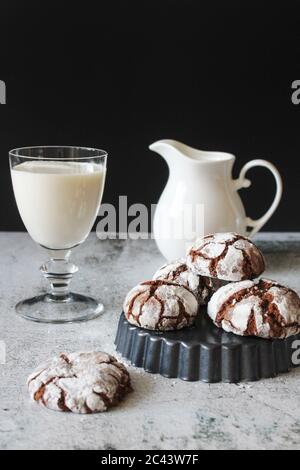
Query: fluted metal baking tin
(204,352)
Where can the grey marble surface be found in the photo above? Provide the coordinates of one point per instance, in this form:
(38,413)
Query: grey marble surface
(160,413)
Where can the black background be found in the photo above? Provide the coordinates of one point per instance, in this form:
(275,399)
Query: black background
(121,74)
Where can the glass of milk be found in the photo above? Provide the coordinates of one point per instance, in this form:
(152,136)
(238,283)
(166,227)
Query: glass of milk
(58,191)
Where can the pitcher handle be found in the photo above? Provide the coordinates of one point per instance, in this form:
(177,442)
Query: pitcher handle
(242,182)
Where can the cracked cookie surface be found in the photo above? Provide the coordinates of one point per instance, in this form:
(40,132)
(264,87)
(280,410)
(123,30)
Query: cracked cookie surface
(179,273)
(160,305)
(226,256)
(260,308)
(81,382)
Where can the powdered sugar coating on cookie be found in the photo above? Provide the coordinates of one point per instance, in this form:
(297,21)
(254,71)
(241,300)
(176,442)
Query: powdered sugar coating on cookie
(226,256)
(179,273)
(260,308)
(160,305)
(82,382)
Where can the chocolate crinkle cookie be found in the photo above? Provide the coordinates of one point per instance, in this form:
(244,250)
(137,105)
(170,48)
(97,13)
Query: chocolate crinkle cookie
(178,273)
(260,308)
(160,305)
(82,382)
(226,256)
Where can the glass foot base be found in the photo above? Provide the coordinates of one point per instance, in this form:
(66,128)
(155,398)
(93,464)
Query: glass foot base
(48,308)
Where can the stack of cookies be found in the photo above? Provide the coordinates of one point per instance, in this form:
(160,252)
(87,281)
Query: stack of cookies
(221,271)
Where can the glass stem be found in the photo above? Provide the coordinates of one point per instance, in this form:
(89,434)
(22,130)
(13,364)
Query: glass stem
(58,270)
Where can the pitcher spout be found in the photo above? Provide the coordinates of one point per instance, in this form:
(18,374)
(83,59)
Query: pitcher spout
(161,145)
(170,149)
(167,148)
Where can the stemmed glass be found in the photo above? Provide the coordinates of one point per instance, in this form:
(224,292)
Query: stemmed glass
(58,191)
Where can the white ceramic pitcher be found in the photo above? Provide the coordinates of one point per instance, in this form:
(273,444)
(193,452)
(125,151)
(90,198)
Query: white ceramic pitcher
(201,197)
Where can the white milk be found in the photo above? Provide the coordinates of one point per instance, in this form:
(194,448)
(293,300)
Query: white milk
(58,201)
